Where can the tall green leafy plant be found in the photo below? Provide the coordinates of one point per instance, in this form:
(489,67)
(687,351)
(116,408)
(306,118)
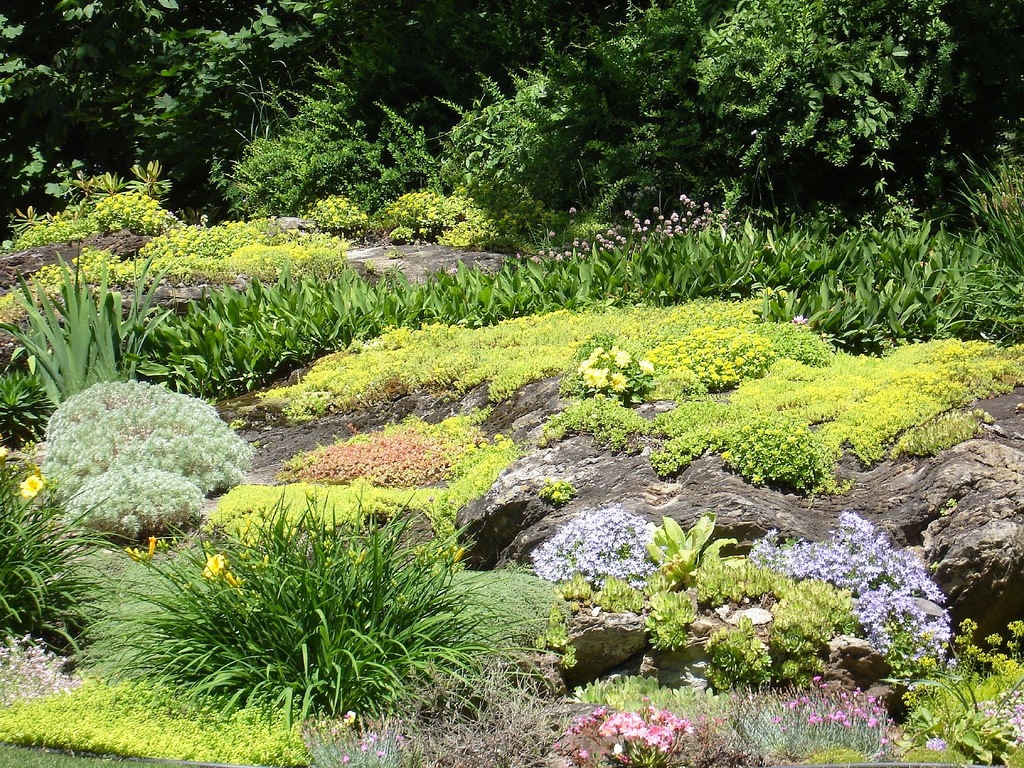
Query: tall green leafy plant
(83,335)
(44,585)
(323,619)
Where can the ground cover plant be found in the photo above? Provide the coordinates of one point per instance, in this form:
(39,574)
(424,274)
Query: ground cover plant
(434,469)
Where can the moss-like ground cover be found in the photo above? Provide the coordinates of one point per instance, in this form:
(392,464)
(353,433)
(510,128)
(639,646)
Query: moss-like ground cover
(382,474)
(791,405)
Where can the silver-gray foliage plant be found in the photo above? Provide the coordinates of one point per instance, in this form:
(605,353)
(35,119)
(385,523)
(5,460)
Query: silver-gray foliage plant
(137,457)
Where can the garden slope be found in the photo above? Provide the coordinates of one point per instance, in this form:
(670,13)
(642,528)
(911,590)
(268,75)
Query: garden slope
(964,508)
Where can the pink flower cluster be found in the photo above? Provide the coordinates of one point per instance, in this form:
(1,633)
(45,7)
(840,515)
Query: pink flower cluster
(642,739)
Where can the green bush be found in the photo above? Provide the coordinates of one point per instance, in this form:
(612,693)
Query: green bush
(942,432)
(67,226)
(143,720)
(339,214)
(320,619)
(44,583)
(612,424)
(140,214)
(779,449)
(100,438)
(24,409)
(718,358)
(432,217)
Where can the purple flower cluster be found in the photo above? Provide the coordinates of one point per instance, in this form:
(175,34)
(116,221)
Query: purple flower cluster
(597,544)
(28,671)
(887,584)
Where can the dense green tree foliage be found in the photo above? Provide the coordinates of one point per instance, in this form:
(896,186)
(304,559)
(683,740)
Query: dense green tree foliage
(779,104)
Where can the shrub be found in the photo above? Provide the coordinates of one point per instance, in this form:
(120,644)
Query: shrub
(136,501)
(779,449)
(134,211)
(24,409)
(432,217)
(884,581)
(121,429)
(143,720)
(325,619)
(44,586)
(339,214)
(29,671)
(64,227)
(597,544)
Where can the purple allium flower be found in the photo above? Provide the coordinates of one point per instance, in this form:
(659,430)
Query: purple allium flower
(597,544)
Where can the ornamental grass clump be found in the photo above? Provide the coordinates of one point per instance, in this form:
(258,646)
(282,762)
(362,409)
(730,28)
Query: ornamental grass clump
(598,544)
(44,585)
(885,582)
(793,725)
(312,619)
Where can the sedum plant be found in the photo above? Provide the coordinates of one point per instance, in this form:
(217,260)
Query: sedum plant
(737,658)
(617,596)
(132,458)
(669,619)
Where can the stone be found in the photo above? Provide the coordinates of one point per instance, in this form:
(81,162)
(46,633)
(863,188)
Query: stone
(687,666)
(854,663)
(757,616)
(602,643)
(963,509)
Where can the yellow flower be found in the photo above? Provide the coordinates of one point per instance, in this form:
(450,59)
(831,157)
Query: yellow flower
(215,566)
(646,366)
(618,382)
(622,357)
(32,485)
(229,577)
(596,378)
(4,453)
(152,547)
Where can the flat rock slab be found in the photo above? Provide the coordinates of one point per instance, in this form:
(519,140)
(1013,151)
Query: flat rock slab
(418,262)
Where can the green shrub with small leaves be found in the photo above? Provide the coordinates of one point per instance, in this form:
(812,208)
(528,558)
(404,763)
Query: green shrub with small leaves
(68,226)
(106,443)
(432,217)
(25,407)
(610,423)
(617,596)
(779,449)
(669,619)
(138,213)
(719,358)
(737,658)
(942,432)
(340,215)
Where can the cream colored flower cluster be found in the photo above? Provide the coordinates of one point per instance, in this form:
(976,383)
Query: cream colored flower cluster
(616,373)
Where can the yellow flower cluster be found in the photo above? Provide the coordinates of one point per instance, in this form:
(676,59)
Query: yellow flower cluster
(339,214)
(217,568)
(614,371)
(133,211)
(719,358)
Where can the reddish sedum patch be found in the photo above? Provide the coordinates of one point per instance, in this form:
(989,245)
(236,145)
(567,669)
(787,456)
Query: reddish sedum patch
(405,458)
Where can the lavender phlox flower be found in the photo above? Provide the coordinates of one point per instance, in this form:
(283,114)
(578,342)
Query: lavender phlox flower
(597,544)
(885,582)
